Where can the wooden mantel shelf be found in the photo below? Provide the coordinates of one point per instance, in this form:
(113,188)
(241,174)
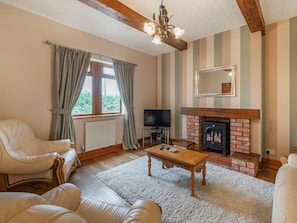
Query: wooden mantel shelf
(222,112)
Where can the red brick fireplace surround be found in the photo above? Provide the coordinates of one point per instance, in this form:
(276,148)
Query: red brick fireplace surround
(240,133)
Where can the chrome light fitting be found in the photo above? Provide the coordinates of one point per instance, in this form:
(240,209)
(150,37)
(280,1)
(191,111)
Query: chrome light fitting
(159,30)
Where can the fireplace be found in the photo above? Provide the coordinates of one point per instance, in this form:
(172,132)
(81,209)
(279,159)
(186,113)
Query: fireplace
(215,136)
(241,158)
(239,119)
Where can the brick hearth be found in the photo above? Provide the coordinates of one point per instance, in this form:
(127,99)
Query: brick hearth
(240,133)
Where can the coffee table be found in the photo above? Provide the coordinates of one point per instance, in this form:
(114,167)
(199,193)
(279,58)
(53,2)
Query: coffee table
(183,158)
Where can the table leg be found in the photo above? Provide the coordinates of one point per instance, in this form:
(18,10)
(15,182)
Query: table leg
(204,173)
(149,163)
(168,132)
(193,181)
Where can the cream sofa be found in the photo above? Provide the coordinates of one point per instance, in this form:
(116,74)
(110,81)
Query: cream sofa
(285,192)
(65,204)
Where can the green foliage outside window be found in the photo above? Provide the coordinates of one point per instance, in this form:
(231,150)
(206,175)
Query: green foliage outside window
(110,104)
(84,104)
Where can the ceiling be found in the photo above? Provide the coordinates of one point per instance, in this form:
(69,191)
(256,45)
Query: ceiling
(199,18)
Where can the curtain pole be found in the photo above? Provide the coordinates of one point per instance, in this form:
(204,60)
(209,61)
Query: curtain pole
(54,44)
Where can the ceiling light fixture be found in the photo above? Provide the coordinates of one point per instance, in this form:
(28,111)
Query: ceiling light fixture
(159,30)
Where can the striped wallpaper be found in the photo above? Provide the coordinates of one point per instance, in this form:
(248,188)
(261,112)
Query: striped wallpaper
(293,82)
(265,79)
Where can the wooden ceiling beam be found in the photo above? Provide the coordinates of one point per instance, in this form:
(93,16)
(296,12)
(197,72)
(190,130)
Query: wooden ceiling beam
(122,13)
(252,13)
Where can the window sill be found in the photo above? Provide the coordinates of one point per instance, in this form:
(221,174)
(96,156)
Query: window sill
(95,116)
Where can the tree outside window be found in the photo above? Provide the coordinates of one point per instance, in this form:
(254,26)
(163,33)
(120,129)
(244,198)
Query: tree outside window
(100,93)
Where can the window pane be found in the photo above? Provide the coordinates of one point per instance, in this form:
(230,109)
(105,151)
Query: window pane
(110,96)
(84,102)
(108,71)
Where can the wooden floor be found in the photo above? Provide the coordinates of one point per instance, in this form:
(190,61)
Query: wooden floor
(85,175)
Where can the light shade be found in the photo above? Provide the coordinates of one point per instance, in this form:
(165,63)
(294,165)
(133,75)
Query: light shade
(149,28)
(157,40)
(178,32)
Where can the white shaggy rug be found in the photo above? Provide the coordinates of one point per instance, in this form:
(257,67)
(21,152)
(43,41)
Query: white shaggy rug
(228,196)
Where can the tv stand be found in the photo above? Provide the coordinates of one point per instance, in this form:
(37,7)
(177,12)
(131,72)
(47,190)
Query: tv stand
(156,131)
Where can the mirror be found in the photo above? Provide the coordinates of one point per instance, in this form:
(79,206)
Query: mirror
(217,81)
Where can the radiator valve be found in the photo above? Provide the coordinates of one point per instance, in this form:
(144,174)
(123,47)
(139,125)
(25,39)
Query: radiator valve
(83,149)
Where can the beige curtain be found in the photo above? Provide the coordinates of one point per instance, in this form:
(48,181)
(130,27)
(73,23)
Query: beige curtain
(71,66)
(124,75)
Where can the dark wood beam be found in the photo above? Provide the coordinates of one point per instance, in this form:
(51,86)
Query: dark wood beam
(222,112)
(122,13)
(252,13)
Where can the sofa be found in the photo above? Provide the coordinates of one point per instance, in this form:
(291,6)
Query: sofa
(64,203)
(285,192)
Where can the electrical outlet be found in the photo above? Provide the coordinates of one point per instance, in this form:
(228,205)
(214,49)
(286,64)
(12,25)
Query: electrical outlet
(270,151)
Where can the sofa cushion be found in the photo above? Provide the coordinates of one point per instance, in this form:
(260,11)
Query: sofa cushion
(28,207)
(64,204)
(94,211)
(47,214)
(12,203)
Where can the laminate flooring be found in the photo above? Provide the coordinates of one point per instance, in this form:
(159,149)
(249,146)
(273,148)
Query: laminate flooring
(85,176)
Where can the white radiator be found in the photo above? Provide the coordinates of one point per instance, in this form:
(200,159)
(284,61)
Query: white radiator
(99,134)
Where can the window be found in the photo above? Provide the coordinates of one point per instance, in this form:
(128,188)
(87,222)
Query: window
(100,93)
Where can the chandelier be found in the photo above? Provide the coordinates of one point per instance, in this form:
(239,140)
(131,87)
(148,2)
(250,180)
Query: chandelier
(159,30)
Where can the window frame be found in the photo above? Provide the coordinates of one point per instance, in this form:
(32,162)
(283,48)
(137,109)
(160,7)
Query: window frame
(96,72)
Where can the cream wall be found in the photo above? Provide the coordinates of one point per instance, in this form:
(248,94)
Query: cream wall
(26,70)
(283,90)
(280,113)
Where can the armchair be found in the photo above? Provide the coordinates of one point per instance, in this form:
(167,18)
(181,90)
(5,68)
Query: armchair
(31,164)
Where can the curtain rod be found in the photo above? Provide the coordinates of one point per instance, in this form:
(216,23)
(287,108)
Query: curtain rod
(100,55)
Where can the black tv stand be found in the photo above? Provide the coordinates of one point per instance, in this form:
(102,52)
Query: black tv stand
(156,132)
(156,128)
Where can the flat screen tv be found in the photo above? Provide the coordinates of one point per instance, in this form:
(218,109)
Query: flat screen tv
(157,118)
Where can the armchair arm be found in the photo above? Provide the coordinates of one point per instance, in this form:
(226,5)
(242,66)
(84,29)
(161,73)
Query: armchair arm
(292,160)
(284,160)
(144,211)
(21,164)
(65,195)
(58,146)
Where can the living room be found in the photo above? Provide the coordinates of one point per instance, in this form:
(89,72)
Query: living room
(265,76)
(264,72)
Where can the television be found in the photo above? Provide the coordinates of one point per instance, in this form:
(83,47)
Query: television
(157,118)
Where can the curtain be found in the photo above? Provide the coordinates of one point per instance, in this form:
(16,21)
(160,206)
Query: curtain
(71,66)
(124,75)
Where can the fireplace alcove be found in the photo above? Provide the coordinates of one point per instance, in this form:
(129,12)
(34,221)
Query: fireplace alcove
(240,133)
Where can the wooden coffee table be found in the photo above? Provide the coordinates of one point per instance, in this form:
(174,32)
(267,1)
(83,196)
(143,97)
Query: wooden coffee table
(183,158)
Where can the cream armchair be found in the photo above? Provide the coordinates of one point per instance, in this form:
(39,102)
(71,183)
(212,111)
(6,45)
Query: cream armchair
(31,164)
